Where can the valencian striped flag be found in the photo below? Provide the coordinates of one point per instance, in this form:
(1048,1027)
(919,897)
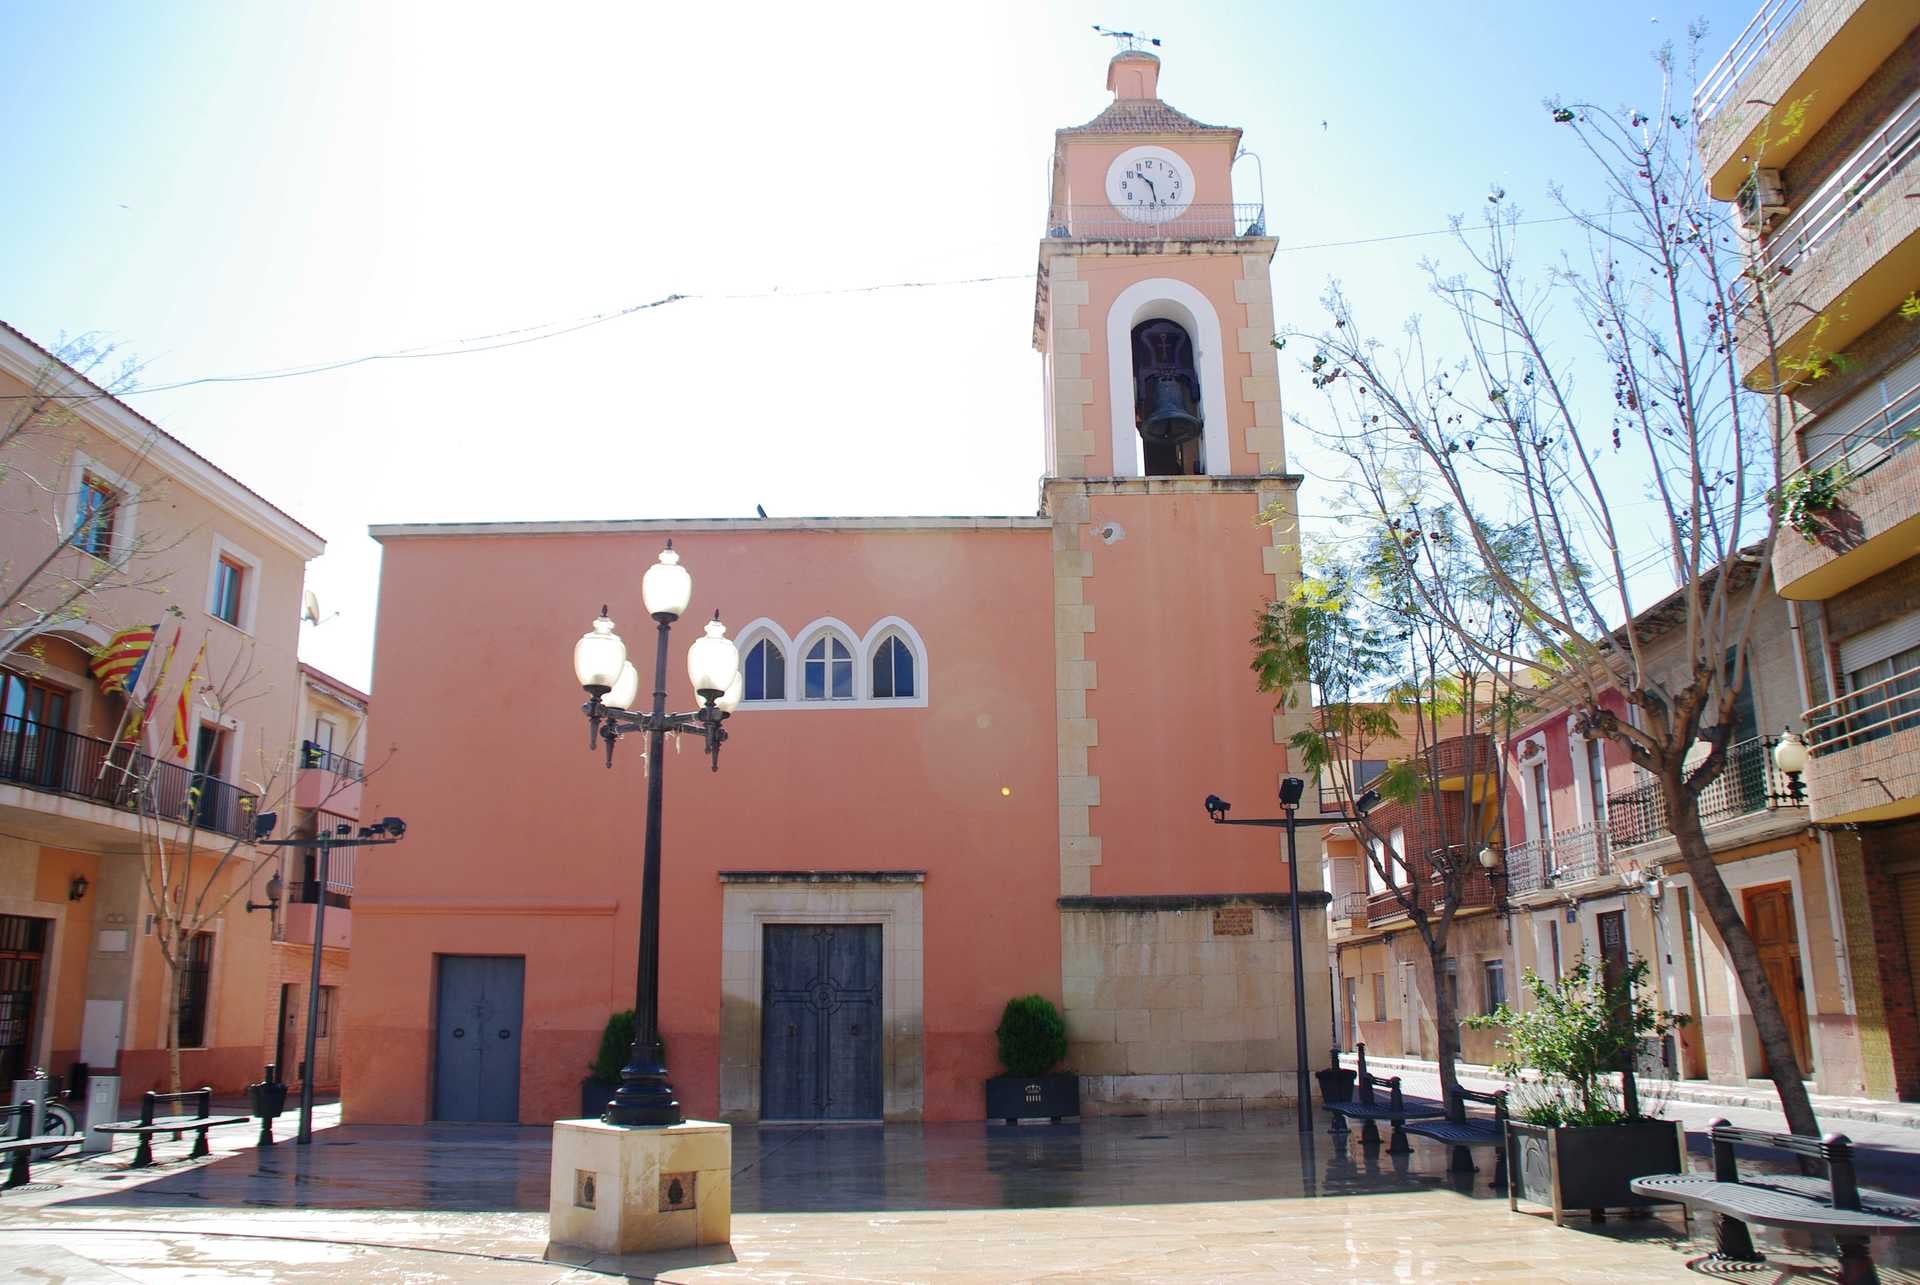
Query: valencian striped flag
(186,696)
(141,715)
(116,665)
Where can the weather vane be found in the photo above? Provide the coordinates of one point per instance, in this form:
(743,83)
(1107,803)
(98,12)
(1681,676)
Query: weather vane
(1129,40)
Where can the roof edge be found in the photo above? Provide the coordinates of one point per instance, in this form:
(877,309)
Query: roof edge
(616,526)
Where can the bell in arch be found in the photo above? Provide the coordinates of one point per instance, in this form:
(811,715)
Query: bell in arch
(1166,398)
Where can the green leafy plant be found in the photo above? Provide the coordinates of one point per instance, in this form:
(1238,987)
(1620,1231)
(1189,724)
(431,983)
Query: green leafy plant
(1032,1036)
(1578,1032)
(1809,495)
(616,1041)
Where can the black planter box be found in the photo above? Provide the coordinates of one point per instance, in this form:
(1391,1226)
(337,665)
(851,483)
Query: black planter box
(269,1099)
(1336,1083)
(594,1096)
(1017,1097)
(1589,1167)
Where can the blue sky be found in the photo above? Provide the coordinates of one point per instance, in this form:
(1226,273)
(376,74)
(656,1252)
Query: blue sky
(243,188)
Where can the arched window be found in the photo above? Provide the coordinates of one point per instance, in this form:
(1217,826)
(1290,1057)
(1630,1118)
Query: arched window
(893,677)
(766,678)
(827,673)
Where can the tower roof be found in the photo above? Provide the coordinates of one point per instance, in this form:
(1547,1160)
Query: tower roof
(1134,77)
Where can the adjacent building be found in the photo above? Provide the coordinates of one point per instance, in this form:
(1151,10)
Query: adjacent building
(970,760)
(154,534)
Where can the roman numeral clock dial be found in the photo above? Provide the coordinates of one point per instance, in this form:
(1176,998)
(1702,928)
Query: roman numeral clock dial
(1149,185)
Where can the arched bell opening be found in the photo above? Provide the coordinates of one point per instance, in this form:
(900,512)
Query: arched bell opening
(1166,400)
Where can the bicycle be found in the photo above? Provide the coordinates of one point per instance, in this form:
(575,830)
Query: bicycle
(56,1117)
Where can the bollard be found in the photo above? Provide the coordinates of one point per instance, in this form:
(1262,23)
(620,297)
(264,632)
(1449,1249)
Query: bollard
(103,1107)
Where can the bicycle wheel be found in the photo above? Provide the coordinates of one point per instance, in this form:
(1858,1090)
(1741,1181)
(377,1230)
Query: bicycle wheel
(58,1122)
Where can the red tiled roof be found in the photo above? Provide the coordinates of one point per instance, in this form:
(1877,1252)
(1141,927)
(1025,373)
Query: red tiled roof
(1145,116)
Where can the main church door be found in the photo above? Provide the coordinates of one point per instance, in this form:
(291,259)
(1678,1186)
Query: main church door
(820,1022)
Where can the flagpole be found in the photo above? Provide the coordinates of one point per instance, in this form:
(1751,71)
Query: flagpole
(127,706)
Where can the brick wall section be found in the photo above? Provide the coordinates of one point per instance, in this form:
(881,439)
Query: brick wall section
(291,964)
(1869,509)
(1836,779)
(1902,1020)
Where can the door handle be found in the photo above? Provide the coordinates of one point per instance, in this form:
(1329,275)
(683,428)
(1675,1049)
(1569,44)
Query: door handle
(459,1032)
(792,1030)
(504,1033)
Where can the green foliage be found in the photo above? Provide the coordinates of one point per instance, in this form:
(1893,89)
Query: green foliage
(1910,306)
(1809,495)
(1032,1035)
(1577,1033)
(615,1043)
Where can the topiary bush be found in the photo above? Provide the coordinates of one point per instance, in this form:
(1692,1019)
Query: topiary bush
(615,1043)
(1032,1035)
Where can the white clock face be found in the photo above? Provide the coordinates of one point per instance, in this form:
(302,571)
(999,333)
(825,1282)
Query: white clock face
(1149,184)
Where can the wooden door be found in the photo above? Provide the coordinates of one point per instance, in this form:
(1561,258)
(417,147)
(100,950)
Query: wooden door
(23,944)
(477,1042)
(1769,914)
(820,1056)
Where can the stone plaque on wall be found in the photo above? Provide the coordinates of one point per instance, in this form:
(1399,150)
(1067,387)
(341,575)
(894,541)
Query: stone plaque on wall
(1233,921)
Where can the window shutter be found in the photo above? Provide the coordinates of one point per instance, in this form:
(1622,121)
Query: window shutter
(1880,642)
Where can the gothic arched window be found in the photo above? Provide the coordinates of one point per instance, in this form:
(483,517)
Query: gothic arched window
(893,669)
(766,677)
(827,672)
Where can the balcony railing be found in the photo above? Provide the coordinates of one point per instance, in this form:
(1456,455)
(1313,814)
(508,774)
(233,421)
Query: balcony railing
(1748,783)
(1350,905)
(1788,246)
(315,755)
(1527,866)
(1879,709)
(1198,222)
(56,761)
(1581,852)
(1889,430)
(1714,87)
(1425,888)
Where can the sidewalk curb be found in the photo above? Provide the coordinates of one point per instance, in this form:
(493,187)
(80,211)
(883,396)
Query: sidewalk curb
(1901,1115)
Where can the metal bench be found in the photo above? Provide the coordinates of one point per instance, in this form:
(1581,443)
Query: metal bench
(19,1120)
(1835,1204)
(1463,1131)
(150,1123)
(1397,1109)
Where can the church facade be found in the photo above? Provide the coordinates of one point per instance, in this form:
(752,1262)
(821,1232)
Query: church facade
(969,763)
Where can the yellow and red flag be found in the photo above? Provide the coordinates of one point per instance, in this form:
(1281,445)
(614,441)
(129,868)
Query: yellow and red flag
(116,663)
(180,741)
(141,715)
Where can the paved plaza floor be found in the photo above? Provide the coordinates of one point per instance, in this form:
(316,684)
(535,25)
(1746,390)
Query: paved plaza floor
(1190,1198)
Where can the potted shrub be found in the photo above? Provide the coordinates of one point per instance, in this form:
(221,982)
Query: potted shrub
(1033,1039)
(603,1075)
(1575,1139)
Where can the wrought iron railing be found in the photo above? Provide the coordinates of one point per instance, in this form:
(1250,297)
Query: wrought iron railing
(1527,866)
(1889,430)
(1748,783)
(1839,198)
(1425,885)
(1876,710)
(1198,222)
(1714,87)
(56,761)
(315,755)
(1350,905)
(1581,851)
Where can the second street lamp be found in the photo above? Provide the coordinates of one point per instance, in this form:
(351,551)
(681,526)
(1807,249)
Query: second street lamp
(645,1097)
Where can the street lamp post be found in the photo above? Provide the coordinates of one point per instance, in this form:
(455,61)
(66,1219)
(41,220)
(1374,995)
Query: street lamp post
(1291,788)
(645,1097)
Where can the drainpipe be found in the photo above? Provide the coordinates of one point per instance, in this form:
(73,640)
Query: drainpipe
(1831,877)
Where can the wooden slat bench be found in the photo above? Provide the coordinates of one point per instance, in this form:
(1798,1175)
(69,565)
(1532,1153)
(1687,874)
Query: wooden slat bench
(18,1120)
(1397,1109)
(1463,1131)
(1836,1204)
(200,1101)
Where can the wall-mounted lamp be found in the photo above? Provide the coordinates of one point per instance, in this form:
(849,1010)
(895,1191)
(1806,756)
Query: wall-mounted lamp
(78,887)
(275,887)
(1790,755)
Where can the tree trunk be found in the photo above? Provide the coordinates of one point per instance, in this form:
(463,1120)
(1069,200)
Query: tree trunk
(176,977)
(1783,1065)
(1446,1026)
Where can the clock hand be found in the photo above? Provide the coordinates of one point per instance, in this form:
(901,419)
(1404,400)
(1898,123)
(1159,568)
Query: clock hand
(1151,188)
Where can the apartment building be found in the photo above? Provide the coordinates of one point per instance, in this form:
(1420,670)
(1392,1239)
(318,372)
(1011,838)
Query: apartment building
(111,529)
(1812,123)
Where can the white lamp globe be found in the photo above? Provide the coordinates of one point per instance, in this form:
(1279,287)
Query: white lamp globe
(713,662)
(625,688)
(1790,753)
(1489,858)
(598,655)
(730,699)
(667,588)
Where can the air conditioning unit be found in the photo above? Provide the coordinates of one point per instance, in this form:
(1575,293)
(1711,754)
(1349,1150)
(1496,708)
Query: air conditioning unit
(1762,200)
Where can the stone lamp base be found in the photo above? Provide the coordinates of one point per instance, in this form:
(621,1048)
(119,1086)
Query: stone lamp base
(629,1191)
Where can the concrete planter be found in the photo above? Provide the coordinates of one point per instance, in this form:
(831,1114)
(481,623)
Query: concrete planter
(1589,1167)
(1017,1097)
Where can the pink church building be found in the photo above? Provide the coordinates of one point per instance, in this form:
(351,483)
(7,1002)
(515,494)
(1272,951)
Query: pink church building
(969,764)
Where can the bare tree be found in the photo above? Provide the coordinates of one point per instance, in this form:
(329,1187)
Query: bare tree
(1669,470)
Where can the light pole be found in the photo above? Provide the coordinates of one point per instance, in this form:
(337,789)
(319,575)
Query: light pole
(645,1098)
(384,831)
(1291,788)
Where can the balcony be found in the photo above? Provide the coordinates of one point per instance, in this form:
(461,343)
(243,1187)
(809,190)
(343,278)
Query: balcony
(1424,885)
(1749,785)
(1816,53)
(1529,866)
(1198,222)
(1581,852)
(329,780)
(1866,752)
(1350,906)
(53,761)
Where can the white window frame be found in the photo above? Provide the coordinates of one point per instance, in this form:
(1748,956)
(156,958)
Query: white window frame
(224,548)
(753,633)
(884,628)
(126,512)
(819,629)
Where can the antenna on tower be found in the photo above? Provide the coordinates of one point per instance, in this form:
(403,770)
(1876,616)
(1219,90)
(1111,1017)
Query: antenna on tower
(1129,40)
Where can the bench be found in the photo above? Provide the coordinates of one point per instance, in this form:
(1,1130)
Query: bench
(1462,1131)
(1365,1108)
(199,1101)
(1835,1204)
(20,1119)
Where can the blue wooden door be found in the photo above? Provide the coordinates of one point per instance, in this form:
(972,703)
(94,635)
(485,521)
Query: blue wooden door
(820,1022)
(477,1044)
